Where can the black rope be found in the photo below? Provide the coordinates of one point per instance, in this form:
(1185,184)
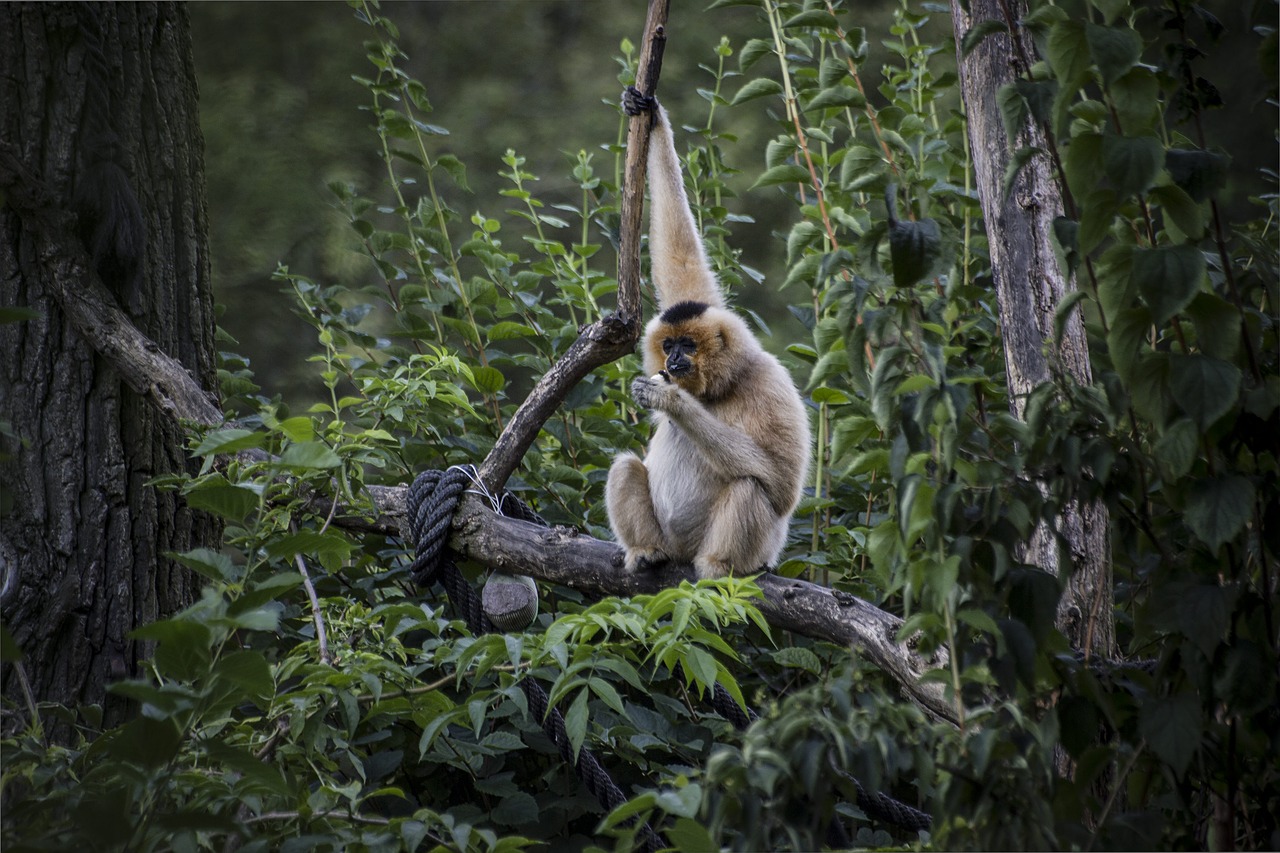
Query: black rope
(433,497)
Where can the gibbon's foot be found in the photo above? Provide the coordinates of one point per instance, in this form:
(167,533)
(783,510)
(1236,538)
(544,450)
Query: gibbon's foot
(710,568)
(646,560)
(634,102)
(653,392)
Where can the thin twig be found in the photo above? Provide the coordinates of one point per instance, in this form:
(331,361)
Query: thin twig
(321,637)
(1115,791)
(339,815)
(434,685)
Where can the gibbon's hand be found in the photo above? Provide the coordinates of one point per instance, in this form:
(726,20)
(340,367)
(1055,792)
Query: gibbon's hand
(634,102)
(655,392)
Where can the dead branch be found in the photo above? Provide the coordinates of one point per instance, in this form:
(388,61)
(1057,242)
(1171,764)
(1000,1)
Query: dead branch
(92,309)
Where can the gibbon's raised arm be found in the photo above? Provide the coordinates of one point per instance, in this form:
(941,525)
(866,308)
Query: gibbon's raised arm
(678,261)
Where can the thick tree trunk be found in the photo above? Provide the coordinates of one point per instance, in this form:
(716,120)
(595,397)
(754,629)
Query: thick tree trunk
(83,537)
(1029,287)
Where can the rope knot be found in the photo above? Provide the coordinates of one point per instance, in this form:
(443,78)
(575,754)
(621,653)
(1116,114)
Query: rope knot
(433,498)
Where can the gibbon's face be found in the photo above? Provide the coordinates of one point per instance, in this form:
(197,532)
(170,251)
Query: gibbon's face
(687,343)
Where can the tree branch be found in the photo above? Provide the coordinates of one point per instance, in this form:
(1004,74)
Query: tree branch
(650,63)
(610,337)
(93,311)
(563,555)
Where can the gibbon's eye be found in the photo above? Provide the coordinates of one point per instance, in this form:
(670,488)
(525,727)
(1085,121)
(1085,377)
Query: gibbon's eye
(667,343)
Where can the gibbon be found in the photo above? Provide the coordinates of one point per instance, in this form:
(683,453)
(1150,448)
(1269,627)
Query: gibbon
(730,445)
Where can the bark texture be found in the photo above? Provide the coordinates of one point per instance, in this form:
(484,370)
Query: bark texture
(1029,287)
(82,535)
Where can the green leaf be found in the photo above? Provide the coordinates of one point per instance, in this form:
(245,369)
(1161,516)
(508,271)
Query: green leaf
(218,496)
(980,31)
(818,18)
(752,52)
(1020,159)
(212,564)
(1203,615)
(1083,164)
(1200,173)
(1219,508)
(248,670)
(1167,278)
(325,546)
(1114,49)
(487,380)
(690,836)
(1097,215)
(914,248)
(229,441)
(1136,97)
(1062,314)
(258,619)
(787,173)
(1150,387)
(1175,451)
(979,620)
(10,651)
(1217,324)
(575,722)
(183,652)
(456,169)
(758,88)
(798,657)
(839,95)
(507,330)
(634,806)
(298,429)
(1068,50)
(1131,163)
(1206,388)
(309,455)
(518,809)
(1179,209)
(1127,339)
(1039,96)
(1172,727)
(1013,110)
(1247,680)
(1068,55)
(700,667)
(146,742)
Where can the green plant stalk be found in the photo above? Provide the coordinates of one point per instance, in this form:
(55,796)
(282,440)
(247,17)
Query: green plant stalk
(820,458)
(948,613)
(441,225)
(586,235)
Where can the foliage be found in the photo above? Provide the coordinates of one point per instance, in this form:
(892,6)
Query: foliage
(313,697)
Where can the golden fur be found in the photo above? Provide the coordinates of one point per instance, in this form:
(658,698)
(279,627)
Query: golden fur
(730,446)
